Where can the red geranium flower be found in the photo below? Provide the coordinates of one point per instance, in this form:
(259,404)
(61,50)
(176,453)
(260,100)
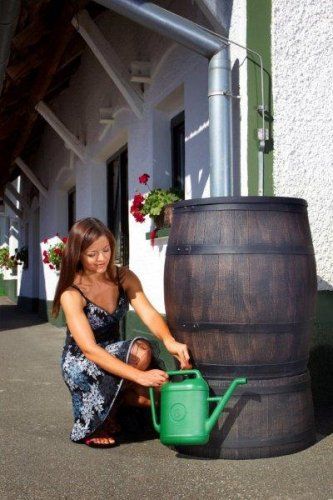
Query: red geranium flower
(139,217)
(45,240)
(143,179)
(138,200)
(58,251)
(65,239)
(51,266)
(46,260)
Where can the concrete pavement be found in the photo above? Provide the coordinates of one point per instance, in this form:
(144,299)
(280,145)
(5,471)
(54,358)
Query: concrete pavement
(38,461)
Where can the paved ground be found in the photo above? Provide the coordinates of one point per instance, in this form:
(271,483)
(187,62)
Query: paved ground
(38,461)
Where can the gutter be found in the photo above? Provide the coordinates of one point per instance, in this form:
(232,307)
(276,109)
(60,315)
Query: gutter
(9,14)
(209,45)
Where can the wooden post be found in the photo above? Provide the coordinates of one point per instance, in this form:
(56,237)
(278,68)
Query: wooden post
(17,195)
(11,205)
(69,138)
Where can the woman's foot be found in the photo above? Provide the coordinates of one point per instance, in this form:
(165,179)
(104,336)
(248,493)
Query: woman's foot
(101,438)
(101,442)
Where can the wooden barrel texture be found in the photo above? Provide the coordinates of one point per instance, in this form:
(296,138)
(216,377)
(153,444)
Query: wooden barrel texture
(264,418)
(240,284)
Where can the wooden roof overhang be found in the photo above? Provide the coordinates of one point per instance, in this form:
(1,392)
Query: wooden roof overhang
(45,53)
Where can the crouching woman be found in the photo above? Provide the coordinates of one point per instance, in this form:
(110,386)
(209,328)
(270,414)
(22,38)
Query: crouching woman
(97,367)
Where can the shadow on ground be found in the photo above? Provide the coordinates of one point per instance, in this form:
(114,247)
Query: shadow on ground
(324,420)
(12,318)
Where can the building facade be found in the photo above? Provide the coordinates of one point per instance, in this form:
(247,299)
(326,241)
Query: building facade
(170,142)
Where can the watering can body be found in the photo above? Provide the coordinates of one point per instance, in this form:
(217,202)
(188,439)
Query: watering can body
(184,409)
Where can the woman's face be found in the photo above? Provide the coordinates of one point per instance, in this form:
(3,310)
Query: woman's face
(96,257)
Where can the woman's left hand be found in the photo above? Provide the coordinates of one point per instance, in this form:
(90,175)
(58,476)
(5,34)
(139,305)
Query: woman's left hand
(180,351)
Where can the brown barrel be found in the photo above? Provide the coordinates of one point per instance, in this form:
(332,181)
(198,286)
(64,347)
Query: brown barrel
(240,285)
(264,418)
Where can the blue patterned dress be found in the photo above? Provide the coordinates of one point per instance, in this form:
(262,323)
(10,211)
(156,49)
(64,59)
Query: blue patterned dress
(94,390)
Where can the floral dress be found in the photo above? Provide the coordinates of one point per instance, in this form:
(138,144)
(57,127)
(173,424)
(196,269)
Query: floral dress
(94,390)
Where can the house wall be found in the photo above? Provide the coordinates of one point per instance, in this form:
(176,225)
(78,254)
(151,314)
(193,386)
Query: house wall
(302,47)
(179,81)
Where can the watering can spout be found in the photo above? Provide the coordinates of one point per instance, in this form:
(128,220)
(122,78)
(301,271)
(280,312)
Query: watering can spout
(222,401)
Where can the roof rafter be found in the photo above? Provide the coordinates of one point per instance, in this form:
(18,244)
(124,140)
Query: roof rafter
(61,34)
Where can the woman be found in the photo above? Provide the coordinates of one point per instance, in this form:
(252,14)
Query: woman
(98,369)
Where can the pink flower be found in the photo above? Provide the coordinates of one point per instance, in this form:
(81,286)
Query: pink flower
(143,179)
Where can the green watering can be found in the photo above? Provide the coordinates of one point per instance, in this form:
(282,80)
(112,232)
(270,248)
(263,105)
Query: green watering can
(184,415)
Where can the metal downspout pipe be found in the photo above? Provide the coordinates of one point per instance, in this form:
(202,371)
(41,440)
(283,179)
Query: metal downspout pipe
(9,13)
(207,44)
(220,135)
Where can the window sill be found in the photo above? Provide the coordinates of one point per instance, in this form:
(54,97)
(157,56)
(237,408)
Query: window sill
(162,233)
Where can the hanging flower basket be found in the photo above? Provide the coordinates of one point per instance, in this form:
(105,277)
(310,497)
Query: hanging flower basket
(158,204)
(53,255)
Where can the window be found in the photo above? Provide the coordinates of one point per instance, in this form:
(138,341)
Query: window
(117,189)
(178,151)
(71,207)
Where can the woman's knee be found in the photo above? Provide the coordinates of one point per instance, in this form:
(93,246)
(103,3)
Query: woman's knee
(141,354)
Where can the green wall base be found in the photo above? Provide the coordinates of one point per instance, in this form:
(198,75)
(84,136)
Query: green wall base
(2,286)
(8,288)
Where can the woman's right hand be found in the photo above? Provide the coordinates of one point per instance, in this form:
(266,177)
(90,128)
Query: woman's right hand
(152,378)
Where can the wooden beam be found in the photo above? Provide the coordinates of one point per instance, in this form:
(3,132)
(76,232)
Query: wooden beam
(109,59)
(10,124)
(72,142)
(11,205)
(19,69)
(210,11)
(75,49)
(17,195)
(30,35)
(28,172)
(61,33)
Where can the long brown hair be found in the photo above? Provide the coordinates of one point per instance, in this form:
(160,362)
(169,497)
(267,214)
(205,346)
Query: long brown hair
(82,234)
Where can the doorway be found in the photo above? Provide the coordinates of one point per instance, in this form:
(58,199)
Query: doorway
(117,203)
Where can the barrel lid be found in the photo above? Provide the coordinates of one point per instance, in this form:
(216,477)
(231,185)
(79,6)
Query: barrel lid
(238,200)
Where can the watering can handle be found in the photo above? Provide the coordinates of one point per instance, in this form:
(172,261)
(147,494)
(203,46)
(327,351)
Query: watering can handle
(185,372)
(156,425)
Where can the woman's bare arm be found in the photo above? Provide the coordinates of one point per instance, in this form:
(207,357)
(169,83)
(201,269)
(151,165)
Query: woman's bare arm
(152,318)
(80,329)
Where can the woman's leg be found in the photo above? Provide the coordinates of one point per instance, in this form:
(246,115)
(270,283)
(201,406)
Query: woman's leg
(133,395)
(140,357)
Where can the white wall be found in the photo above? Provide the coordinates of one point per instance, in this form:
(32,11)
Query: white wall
(302,50)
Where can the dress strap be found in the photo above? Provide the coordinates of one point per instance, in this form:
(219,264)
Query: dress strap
(79,290)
